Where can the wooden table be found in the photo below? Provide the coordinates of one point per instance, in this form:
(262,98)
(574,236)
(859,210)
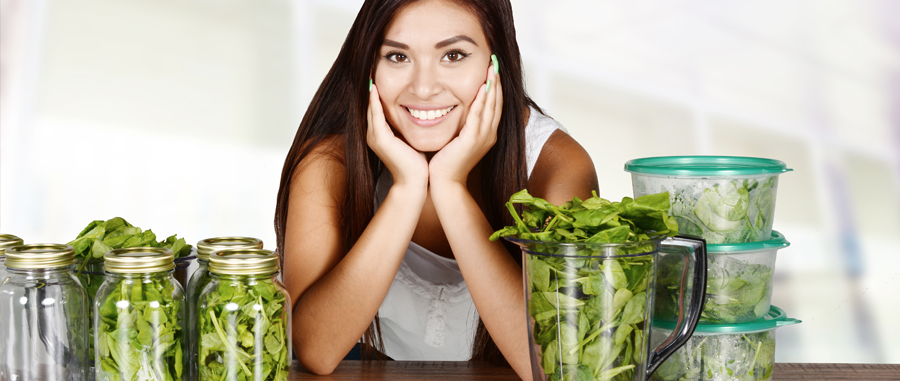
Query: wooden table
(477,371)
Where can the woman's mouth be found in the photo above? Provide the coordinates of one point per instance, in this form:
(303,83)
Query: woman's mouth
(428,116)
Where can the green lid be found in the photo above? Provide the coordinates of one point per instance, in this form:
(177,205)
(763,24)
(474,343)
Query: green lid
(777,242)
(774,319)
(705,166)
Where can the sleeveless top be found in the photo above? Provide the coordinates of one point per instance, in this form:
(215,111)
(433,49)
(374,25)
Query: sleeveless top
(428,313)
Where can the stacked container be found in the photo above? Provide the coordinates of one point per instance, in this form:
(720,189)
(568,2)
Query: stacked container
(730,202)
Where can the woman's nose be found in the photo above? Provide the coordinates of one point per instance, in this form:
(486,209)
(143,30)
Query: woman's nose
(426,82)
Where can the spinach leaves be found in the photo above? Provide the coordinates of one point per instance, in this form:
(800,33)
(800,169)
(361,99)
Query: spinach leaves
(100,236)
(243,330)
(138,328)
(736,291)
(587,303)
(728,212)
(738,356)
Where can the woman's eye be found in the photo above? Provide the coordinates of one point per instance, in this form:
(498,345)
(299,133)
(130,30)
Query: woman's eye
(395,57)
(454,56)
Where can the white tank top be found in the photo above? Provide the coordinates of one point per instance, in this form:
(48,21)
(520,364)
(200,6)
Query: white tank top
(428,313)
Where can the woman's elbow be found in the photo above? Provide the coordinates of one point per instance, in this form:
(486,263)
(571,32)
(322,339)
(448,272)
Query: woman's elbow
(316,361)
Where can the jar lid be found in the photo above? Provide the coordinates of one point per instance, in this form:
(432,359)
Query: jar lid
(139,260)
(697,166)
(7,241)
(776,242)
(209,245)
(774,319)
(243,262)
(40,256)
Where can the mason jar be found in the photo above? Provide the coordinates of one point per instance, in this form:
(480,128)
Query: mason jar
(199,279)
(43,316)
(6,240)
(138,317)
(244,316)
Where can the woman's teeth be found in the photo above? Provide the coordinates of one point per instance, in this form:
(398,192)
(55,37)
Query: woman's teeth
(430,114)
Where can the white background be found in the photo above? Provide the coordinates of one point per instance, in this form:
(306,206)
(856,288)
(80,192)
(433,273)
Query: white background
(177,115)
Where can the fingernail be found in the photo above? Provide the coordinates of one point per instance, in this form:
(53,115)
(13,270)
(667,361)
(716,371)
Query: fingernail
(370,84)
(496,64)
(488,88)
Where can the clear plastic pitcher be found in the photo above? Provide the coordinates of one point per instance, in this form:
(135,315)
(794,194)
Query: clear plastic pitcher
(589,306)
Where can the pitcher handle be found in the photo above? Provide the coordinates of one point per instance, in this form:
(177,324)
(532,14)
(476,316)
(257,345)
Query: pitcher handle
(694,250)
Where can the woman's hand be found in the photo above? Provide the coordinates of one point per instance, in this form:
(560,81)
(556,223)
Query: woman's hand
(454,162)
(407,165)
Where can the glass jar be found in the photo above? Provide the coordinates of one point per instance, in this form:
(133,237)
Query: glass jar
(43,316)
(91,277)
(6,240)
(138,317)
(199,279)
(244,316)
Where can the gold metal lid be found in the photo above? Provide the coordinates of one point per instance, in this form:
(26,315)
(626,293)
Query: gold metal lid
(243,262)
(139,260)
(9,240)
(40,256)
(209,245)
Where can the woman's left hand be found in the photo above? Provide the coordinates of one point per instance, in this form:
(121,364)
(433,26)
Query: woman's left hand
(454,162)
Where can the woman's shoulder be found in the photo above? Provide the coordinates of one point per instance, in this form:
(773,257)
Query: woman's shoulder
(324,165)
(564,169)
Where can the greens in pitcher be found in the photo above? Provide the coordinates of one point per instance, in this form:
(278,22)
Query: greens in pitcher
(589,310)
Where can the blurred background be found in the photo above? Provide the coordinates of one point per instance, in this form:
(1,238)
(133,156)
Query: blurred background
(177,116)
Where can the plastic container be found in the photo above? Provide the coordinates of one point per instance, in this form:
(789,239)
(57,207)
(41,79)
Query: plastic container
(743,351)
(199,279)
(6,240)
(738,283)
(138,317)
(588,305)
(724,199)
(244,316)
(43,316)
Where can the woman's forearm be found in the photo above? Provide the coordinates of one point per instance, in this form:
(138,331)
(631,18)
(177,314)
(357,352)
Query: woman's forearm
(334,312)
(493,277)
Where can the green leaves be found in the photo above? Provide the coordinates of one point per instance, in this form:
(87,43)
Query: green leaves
(592,220)
(737,356)
(588,307)
(243,328)
(733,211)
(99,237)
(139,336)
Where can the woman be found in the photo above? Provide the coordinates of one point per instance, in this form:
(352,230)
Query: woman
(397,176)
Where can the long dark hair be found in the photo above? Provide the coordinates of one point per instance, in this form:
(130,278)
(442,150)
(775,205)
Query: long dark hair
(339,108)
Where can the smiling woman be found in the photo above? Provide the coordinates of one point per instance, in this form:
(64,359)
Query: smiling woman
(397,176)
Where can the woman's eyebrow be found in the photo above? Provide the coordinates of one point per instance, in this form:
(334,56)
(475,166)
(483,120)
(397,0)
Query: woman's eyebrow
(395,44)
(454,39)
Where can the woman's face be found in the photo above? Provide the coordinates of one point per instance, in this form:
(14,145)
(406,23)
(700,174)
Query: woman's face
(433,61)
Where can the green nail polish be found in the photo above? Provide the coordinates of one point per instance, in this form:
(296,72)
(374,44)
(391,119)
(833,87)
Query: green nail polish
(488,88)
(496,64)
(370,84)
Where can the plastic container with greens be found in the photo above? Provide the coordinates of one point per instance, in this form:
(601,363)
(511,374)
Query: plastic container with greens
(724,199)
(723,352)
(738,286)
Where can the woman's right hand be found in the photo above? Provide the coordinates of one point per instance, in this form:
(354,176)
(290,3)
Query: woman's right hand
(407,165)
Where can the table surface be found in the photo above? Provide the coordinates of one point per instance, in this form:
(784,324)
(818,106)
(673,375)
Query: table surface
(478,371)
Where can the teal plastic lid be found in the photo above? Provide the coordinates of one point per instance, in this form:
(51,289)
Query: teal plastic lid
(705,166)
(774,319)
(777,242)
